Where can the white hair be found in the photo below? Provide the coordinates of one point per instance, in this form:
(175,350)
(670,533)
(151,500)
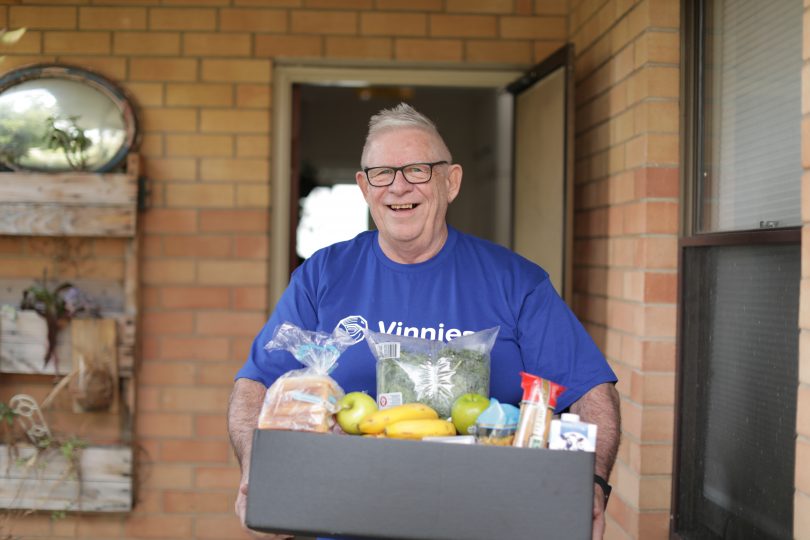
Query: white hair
(403,116)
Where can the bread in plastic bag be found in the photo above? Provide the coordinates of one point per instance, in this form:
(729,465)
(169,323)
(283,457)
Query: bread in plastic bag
(432,372)
(305,399)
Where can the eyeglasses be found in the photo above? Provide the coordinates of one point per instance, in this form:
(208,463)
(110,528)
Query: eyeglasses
(413,173)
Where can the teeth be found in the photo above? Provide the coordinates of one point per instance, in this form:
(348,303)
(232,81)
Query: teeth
(401,206)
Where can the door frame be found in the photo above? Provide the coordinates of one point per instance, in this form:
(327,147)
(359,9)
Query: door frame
(284,77)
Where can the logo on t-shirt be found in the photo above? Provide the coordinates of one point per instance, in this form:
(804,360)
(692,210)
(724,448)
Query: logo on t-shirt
(355,326)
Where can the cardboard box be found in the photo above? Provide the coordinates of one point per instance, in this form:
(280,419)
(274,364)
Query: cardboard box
(331,485)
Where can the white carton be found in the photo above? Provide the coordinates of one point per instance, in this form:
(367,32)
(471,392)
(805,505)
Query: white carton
(568,433)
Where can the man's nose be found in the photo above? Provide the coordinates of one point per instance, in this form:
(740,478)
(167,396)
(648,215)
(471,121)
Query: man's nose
(399,183)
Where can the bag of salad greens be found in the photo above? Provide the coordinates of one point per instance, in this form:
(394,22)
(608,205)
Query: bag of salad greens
(416,370)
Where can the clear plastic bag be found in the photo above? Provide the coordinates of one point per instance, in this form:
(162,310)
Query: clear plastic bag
(305,399)
(432,372)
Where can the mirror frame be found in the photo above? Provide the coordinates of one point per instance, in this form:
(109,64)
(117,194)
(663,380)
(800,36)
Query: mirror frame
(110,90)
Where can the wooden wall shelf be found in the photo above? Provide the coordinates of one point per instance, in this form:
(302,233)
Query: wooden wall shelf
(70,204)
(73,204)
(106,484)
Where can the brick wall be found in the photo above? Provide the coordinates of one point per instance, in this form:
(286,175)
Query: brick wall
(801,505)
(201,72)
(627,157)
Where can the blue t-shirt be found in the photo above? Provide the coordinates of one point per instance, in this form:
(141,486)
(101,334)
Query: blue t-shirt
(470,285)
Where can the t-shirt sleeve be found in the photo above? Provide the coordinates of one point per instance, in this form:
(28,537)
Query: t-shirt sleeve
(297,306)
(556,346)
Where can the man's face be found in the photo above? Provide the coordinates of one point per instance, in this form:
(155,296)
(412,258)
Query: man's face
(409,215)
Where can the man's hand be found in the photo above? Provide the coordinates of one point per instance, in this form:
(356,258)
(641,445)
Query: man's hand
(241,507)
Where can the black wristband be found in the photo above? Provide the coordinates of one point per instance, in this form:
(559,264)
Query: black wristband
(606,489)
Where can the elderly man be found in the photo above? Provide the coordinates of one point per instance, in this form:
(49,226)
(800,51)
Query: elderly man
(416,271)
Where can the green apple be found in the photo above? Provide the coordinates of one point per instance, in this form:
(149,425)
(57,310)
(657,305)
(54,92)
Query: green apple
(466,409)
(354,408)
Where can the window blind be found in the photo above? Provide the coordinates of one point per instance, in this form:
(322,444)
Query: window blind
(753,104)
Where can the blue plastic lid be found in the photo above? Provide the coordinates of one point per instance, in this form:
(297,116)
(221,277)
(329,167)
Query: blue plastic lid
(499,415)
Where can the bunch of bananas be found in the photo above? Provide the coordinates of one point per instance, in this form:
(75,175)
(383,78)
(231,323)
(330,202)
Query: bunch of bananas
(409,421)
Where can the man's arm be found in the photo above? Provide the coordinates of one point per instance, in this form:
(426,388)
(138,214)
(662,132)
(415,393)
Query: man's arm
(243,417)
(600,406)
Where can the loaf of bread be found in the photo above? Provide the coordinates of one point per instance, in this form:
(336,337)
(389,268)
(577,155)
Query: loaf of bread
(301,402)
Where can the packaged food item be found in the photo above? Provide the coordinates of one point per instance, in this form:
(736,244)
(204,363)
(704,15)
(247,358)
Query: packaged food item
(305,399)
(497,424)
(568,433)
(432,372)
(536,409)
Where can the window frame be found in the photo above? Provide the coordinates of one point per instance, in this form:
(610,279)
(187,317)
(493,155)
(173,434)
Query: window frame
(692,154)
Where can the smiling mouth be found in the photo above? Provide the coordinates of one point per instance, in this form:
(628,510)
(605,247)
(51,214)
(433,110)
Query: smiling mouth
(397,207)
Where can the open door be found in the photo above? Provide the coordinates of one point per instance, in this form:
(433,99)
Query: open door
(542,217)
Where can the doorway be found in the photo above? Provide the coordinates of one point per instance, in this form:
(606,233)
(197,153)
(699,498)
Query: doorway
(332,124)
(518,174)
(339,147)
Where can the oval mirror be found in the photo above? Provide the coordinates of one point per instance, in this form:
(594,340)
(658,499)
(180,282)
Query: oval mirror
(60,118)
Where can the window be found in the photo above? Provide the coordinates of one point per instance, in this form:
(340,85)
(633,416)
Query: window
(741,265)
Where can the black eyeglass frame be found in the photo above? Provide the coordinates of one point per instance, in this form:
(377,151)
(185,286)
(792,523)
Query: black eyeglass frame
(402,170)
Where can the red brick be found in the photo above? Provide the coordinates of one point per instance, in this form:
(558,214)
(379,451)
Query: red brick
(480,6)
(214,44)
(198,349)
(463,26)
(323,22)
(168,271)
(42,17)
(160,475)
(660,287)
(274,45)
(164,425)
(195,297)
(256,96)
(158,526)
(112,18)
(77,42)
(197,246)
(220,374)
(162,373)
(204,399)
(217,477)
(160,69)
(233,221)
(182,19)
(253,71)
(511,52)
(251,247)
(230,324)
(253,20)
(252,298)
(393,24)
(175,322)
(357,47)
(219,527)
(428,50)
(198,502)
(214,425)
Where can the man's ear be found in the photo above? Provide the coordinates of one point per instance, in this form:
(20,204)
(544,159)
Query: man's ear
(360,178)
(454,174)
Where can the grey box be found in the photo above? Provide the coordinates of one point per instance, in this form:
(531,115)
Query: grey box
(333,485)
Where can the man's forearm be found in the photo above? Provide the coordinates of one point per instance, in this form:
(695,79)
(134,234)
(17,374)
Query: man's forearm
(243,415)
(600,406)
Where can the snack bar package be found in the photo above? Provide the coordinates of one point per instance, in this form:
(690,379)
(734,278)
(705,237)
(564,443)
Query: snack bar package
(536,409)
(432,372)
(305,399)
